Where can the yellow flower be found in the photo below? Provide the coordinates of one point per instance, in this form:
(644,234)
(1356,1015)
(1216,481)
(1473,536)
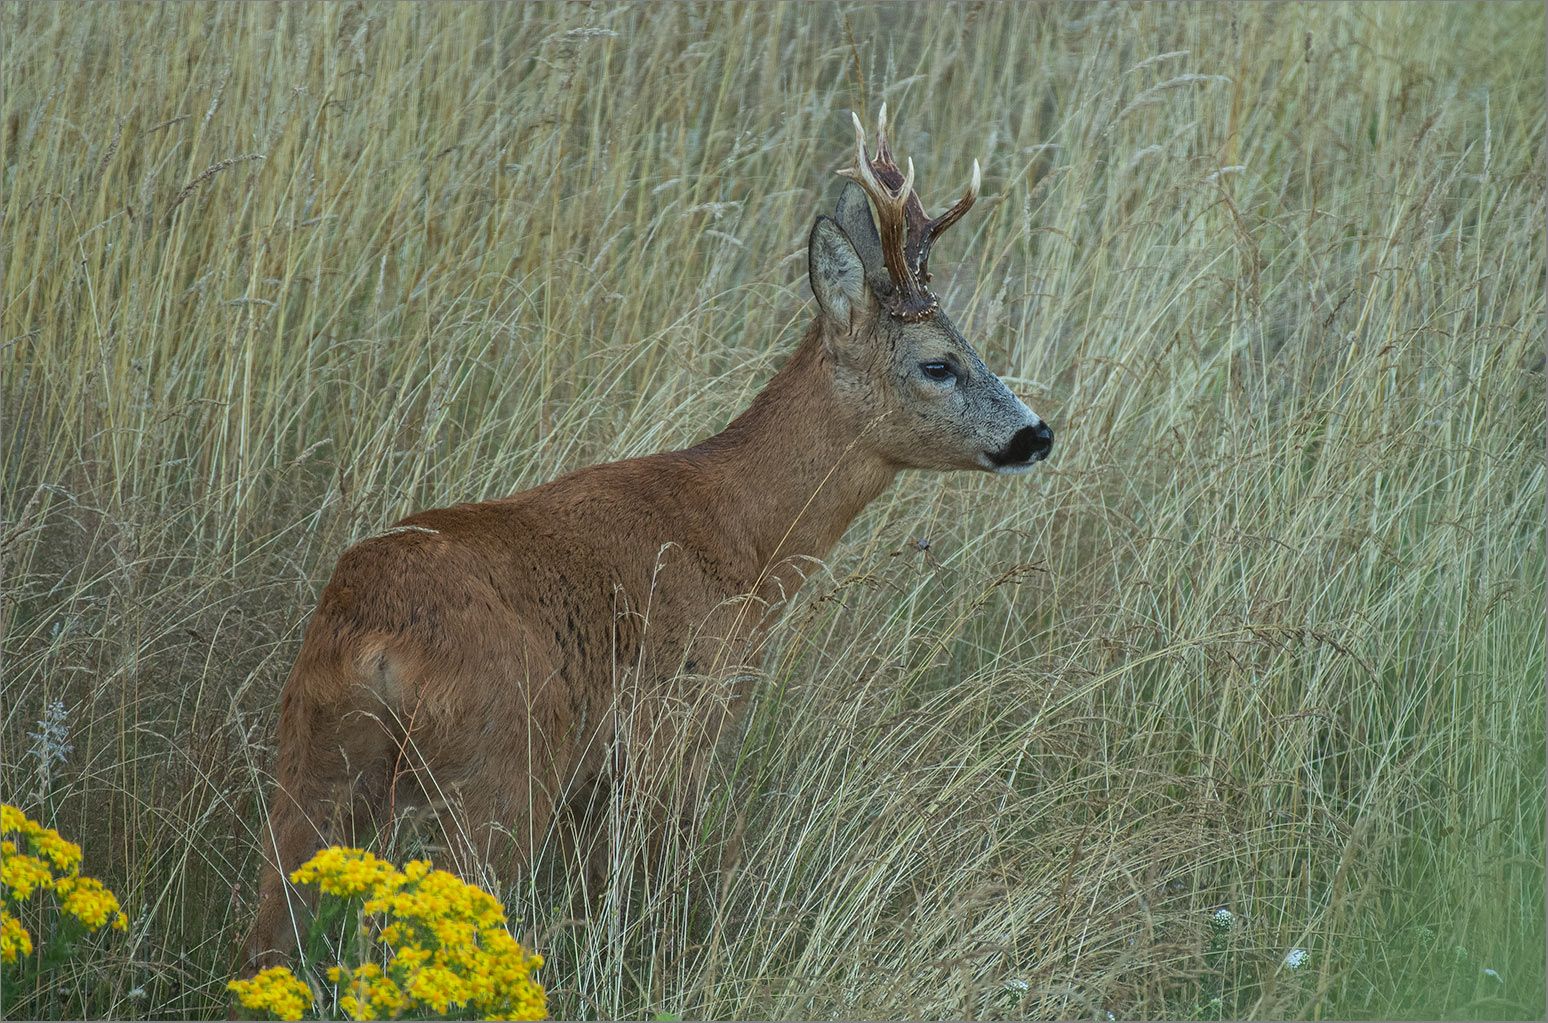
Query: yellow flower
(348,872)
(88,901)
(20,874)
(51,864)
(12,820)
(275,990)
(64,855)
(442,944)
(374,996)
(438,988)
(412,957)
(14,939)
(387,999)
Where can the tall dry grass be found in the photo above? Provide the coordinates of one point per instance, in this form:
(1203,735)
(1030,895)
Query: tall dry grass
(1266,634)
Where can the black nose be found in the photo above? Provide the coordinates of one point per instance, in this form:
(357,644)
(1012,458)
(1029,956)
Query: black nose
(1042,441)
(1030,444)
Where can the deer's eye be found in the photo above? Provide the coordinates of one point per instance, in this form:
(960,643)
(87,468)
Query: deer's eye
(940,372)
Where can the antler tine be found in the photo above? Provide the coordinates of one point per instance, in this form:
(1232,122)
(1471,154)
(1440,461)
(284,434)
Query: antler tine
(951,216)
(883,151)
(938,226)
(864,170)
(859,141)
(892,220)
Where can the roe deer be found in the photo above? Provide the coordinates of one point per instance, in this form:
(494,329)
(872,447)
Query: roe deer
(481,658)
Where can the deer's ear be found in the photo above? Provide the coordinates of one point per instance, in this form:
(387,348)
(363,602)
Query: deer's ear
(853,214)
(838,275)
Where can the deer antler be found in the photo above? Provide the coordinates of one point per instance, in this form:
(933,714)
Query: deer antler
(906,233)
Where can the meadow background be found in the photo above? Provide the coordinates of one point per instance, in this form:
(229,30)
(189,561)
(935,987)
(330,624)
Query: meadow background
(1264,635)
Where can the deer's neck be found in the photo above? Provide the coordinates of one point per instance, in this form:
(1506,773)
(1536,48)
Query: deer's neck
(791,472)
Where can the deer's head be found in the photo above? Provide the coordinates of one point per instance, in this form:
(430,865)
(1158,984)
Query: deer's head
(928,400)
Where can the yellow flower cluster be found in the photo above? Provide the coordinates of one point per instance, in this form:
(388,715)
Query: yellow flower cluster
(50,863)
(346,872)
(275,991)
(86,899)
(445,948)
(14,939)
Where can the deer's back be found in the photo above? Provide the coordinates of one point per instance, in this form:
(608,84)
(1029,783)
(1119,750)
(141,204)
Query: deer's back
(544,598)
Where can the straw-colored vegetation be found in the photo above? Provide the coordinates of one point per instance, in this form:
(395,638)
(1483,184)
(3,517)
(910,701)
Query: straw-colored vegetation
(1264,635)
